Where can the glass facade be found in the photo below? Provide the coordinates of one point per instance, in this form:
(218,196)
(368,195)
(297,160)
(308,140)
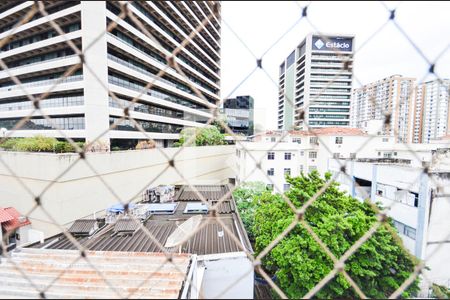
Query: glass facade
(25,103)
(40,37)
(65,123)
(155,110)
(139,87)
(149,126)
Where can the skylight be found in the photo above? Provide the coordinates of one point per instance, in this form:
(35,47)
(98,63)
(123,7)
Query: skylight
(163,208)
(196,208)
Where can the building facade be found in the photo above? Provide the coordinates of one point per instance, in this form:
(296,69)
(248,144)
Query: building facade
(239,113)
(301,152)
(315,83)
(417,202)
(391,97)
(122,61)
(431,116)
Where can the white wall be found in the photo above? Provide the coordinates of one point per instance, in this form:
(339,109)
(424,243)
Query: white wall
(75,191)
(227,276)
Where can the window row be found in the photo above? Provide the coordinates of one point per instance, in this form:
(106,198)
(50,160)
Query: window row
(41,80)
(271,155)
(45,103)
(69,123)
(130,41)
(155,110)
(405,229)
(286,187)
(148,126)
(40,37)
(40,58)
(127,83)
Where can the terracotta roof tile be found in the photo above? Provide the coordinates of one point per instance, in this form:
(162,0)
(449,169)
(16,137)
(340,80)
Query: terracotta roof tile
(124,271)
(5,216)
(15,222)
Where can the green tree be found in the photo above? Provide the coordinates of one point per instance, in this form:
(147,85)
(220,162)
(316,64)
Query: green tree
(378,267)
(204,136)
(246,197)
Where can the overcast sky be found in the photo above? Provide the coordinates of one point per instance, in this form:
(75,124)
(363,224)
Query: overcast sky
(260,24)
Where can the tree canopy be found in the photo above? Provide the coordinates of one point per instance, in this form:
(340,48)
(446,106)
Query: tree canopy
(378,267)
(246,197)
(204,136)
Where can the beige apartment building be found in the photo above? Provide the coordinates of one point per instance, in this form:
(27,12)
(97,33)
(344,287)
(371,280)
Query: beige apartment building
(431,117)
(418,112)
(391,97)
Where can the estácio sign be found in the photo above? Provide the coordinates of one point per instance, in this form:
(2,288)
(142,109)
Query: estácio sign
(332,44)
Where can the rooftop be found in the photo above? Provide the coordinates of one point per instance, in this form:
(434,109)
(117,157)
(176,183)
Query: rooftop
(11,219)
(320,132)
(213,235)
(116,274)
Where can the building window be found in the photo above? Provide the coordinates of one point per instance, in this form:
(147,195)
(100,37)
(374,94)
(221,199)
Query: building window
(312,154)
(352,155)
(297,140)
(314,140)
(312,168)
(395,153)
(287,155)
(301,168)
(302,153)
(269,187)
(339,140)
(336,155)
(410,232)
(379,153)
(385,140)
(272,139)
(287,171)
(271,172)
(387,154)
(270,155)
(286,187)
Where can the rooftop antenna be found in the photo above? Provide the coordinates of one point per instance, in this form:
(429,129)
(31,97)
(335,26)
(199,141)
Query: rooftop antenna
(178,236)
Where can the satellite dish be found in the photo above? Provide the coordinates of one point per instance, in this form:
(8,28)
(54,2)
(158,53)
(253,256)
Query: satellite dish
(188,227)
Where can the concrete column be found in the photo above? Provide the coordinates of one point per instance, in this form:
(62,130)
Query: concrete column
(423,216)
(373,188)
(353,187)
(93,25)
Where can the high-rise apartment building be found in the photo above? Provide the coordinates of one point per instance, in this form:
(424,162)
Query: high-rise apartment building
(392,98)
(239,113)
(432,111)
(315,83)
(122,61)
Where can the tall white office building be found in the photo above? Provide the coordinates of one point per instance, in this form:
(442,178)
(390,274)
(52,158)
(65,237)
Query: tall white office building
(315,83)
(123,61)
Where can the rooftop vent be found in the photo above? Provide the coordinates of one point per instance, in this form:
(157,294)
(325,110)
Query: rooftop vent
(126,226)
(83,227)
(196,208)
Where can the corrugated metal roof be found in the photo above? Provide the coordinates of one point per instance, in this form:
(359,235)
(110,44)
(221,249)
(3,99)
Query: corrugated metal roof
(82,226)
(225,207)
(124,271)
(209,192)
(209,239)
(262,291)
